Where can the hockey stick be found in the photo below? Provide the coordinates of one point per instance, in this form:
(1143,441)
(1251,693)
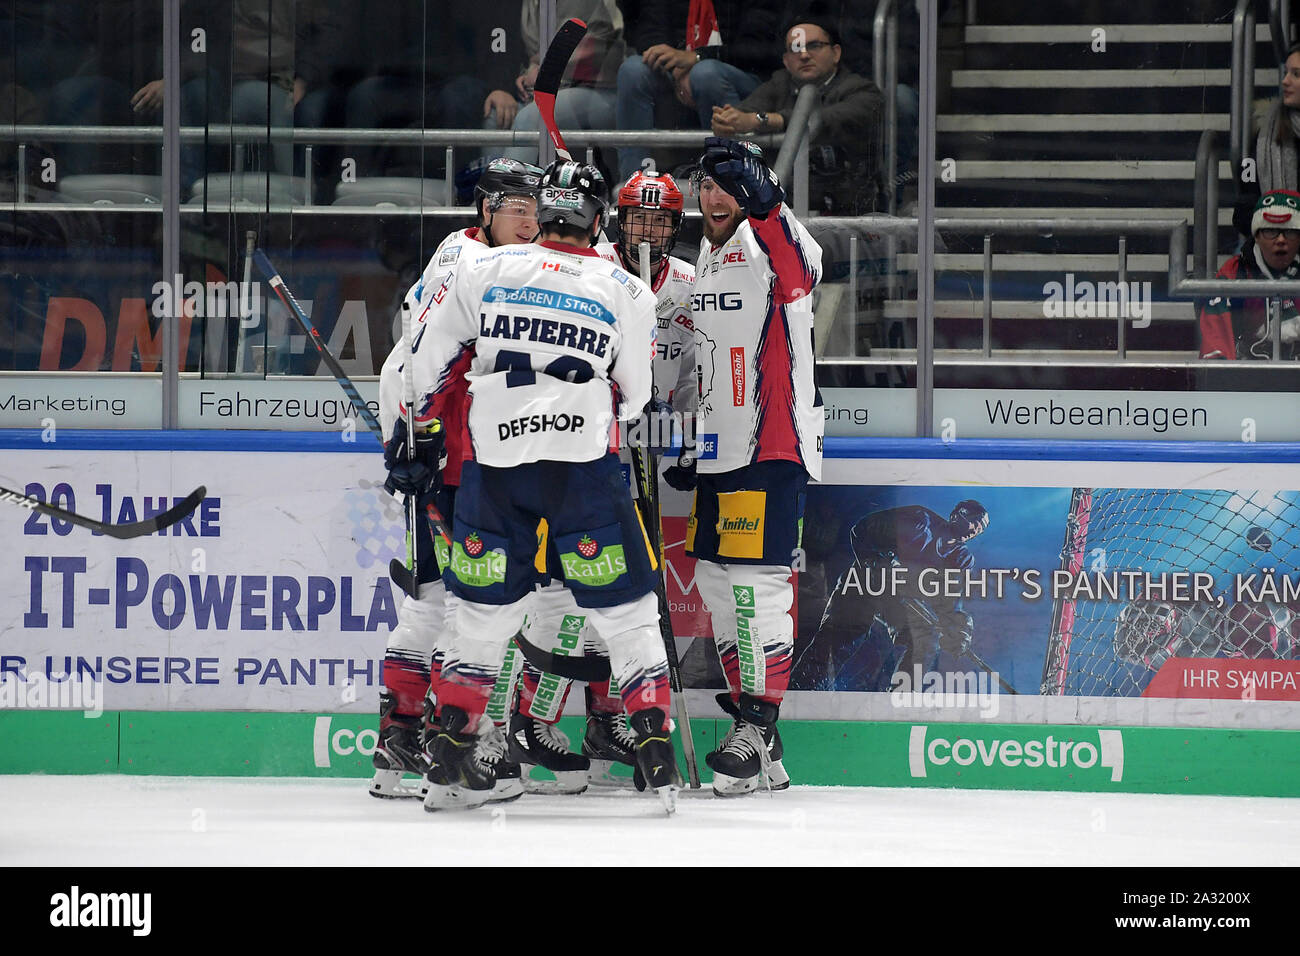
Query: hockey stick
(646,467)
(928,615)
(408,397)
(340,376)
(547,84)
(133,529)
(586,669)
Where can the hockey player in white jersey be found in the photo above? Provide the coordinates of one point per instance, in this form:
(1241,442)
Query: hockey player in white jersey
(651,209)
(507,210)
(759,406)
(554,343)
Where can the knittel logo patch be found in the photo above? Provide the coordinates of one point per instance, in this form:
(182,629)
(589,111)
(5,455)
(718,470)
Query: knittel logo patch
(1084,299)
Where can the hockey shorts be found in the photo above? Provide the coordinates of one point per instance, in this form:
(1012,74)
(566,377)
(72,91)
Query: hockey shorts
(596,544)
(430,549)
(753,515)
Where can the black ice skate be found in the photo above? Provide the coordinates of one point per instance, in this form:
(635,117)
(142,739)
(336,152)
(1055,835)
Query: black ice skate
(750,755)
(608,742)
(493,751)
(398,753)
(459,778)
(656,761)
(535,743)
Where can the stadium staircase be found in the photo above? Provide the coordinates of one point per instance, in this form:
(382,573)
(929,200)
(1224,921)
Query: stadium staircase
(1041,125)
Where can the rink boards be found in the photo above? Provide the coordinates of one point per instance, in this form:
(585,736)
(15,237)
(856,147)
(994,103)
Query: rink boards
(259,625)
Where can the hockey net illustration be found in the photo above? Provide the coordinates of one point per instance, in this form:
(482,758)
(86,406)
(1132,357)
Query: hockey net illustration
(1092,649)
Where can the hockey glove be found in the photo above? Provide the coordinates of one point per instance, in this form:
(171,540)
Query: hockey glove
(740,170)
(958,631)
(682,475)
(653,431)
(422,473)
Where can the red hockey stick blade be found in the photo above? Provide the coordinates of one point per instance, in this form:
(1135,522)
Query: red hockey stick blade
(563,44)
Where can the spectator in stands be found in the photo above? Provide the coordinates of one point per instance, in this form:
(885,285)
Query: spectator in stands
(845,155)
(1244,328)
(421,68)
(587,94)
(706,52)
(1276,125)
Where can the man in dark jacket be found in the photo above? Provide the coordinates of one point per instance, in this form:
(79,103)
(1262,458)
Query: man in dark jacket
(845,158)
(704,52)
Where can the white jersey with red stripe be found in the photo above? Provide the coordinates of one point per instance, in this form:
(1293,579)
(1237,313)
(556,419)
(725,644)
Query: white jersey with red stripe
(554,342)
(453,256)
(674,367)
(752,309)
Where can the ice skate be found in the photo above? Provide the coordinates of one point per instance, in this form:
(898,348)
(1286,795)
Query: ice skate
(493,752)
(656,761)
(535,743)
(749,756)
(459,779)
(398,754)
(608,742)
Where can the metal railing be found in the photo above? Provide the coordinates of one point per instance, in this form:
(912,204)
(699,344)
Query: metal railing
(1279,22)
(1242,81)
(792,158)
(1120,229)
(884,68)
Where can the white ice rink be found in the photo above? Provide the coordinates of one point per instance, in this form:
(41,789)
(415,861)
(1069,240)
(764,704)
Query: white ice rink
(184,821)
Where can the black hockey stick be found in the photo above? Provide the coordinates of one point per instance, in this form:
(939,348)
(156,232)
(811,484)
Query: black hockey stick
(928,615)
(340,376)
(132,529)
(646,467)
(350,389)
(586,669)
(547,84)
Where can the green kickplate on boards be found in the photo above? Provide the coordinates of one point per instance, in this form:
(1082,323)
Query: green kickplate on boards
(58,741)
(825,753)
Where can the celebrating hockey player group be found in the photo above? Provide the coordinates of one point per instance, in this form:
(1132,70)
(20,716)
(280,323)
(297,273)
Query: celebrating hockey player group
(533,362)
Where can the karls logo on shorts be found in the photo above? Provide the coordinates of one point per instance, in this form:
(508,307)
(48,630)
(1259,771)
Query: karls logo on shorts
(475,566)
(593,565)
(738,376)
(1026,750)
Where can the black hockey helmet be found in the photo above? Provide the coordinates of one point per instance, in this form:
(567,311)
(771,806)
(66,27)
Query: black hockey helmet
(506,177)
(969,514)
(571,194)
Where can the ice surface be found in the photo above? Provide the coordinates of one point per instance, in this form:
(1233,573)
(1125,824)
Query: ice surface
(127,820)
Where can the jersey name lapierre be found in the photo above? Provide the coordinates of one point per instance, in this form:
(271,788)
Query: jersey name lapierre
(534,328)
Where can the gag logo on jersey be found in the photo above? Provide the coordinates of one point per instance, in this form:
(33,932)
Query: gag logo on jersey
(716,301)
(1030,753)
(344,742)
(534,424)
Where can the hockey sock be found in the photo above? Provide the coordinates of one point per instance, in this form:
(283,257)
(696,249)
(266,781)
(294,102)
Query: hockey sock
(407,681)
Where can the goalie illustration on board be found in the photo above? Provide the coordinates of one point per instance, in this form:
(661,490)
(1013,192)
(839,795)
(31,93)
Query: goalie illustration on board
(1058,592)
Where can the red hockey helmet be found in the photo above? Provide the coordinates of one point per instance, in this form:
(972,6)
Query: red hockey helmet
(649,191)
